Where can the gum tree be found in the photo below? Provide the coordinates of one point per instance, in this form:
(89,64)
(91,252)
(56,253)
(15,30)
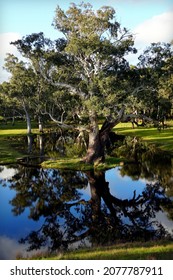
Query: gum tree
(50,100)
(155,66)
(88,65)
(95,69)
(33,48)
(21,87)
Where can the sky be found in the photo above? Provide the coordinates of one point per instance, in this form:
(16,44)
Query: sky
(149,21)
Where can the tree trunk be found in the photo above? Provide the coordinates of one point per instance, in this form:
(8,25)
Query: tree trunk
(95,151)
(28,120)
(40,124)
(99,138)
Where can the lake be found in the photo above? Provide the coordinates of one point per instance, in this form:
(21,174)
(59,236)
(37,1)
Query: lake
(53,210)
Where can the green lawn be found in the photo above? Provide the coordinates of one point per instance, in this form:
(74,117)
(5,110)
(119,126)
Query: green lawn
(130,251)
(18,129)
(77,164)
(163,138)
(8,154)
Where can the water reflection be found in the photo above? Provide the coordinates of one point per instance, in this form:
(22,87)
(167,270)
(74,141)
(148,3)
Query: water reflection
(57,209)
(49,145)
(147,162)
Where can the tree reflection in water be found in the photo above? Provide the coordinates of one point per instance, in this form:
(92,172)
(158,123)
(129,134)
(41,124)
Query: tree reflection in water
(70,217)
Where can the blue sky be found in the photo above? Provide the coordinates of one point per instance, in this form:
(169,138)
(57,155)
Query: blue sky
(26,17)
(149,20)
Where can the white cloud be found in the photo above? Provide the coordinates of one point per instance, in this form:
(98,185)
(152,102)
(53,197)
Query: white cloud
(7,173)
(11,249)
(5,47)
(156,29)
(5,39)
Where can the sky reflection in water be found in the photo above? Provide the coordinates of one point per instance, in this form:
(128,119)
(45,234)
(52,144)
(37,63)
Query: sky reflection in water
(15,227)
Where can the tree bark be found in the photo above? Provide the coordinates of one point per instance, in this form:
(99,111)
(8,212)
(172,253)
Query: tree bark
(99,138)
(95,151)
(40,124)
(28,121)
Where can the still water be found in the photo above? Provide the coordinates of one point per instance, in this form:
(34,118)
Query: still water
(54,210)
(49,209)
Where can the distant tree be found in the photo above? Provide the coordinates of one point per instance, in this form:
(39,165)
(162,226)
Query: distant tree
(20,90)
(155,66)
(33,48)
(49,100)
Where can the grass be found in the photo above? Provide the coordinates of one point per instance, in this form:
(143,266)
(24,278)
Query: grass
(67,163)
(126,251)
(8,154)
(18,129)
(163,139)
(78,164)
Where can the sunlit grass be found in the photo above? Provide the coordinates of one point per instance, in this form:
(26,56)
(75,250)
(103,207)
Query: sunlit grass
(163,138)
(8,154)
(67,163)
(18,129)
(78,164)
(126,251)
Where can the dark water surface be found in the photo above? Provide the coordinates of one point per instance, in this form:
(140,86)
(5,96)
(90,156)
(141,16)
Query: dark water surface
(50,209)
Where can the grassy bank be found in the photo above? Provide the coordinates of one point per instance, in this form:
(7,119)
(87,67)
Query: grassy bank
(130,251)
(18,129)
(163,138)
(78,164)
(8,153)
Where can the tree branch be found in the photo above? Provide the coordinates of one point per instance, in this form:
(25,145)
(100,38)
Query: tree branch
(64,125)
(72,89)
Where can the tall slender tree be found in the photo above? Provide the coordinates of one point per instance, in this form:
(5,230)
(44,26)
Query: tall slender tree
(33,48)
(21,87)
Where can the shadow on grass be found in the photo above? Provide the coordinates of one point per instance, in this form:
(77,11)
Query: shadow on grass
(163,138)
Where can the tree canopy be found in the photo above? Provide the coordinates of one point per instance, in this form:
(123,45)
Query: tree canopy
(84,75)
